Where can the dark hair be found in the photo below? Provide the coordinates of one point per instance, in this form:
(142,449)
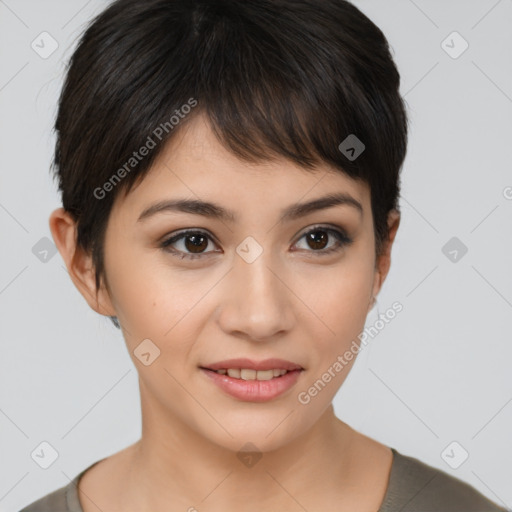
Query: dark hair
(275,78)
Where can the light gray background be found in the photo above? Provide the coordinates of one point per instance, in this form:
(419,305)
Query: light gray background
(438,373)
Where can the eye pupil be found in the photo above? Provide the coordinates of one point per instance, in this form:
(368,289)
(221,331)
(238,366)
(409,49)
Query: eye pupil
(322,239)
(196,243)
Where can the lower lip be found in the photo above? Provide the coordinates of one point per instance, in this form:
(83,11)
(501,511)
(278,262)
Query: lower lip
(254,390)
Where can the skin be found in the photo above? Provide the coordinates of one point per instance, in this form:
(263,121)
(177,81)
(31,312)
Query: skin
(289,303)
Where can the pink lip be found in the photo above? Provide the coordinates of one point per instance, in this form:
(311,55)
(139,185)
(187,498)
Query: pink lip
(253,390)
(266,364)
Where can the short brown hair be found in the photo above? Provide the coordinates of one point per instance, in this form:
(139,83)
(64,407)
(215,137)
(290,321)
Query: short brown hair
(289,78)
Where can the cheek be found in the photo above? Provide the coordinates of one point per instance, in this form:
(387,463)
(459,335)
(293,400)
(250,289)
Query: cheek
(341,301)
(342,305)
(150,300)
(154,300)
(349,301)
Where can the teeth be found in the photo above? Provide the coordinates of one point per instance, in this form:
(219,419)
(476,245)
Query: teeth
(258,375)
(247,374)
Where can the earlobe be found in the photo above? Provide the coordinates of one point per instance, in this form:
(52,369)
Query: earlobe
(79,264)
(371,303)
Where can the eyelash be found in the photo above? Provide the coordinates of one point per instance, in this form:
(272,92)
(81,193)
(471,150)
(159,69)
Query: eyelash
(340,235)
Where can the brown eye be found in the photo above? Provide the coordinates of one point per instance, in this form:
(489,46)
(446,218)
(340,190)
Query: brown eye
(317,239)
(193,244)
(197,242)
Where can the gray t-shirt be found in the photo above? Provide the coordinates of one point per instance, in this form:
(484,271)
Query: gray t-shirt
(413,487)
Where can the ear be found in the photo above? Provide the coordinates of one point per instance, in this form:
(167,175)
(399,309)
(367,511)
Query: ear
(79,263)
(383,261)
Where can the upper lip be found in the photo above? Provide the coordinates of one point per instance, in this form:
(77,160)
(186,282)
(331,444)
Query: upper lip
(266,364)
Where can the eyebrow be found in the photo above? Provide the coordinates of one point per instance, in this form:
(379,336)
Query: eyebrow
(212,210)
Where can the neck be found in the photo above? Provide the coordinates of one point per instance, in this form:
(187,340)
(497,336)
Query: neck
(172,465)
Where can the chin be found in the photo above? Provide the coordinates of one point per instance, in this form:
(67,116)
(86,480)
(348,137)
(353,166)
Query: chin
(266,431)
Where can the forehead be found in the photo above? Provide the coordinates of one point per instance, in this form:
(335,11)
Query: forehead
(194,164)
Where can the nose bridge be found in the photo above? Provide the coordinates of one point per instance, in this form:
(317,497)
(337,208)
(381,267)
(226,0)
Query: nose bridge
(258,303)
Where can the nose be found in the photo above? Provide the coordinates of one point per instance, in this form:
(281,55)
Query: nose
(256,301)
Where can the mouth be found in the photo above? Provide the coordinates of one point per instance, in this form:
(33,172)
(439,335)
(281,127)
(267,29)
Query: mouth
(253,381)
(248,369)
(249,374)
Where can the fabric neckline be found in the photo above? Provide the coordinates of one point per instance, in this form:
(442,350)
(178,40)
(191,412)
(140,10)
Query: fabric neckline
(73,503)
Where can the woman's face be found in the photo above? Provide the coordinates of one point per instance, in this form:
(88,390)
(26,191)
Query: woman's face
(249,286)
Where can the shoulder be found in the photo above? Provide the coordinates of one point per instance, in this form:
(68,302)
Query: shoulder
(52,502)
(417,487)
(64,499)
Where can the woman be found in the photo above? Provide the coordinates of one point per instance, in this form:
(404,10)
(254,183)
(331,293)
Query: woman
(230,177)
